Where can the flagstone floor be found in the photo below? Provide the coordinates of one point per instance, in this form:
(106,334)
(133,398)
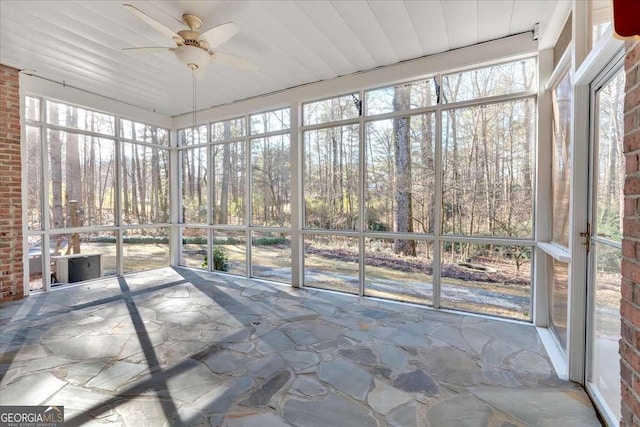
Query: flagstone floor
(181,347)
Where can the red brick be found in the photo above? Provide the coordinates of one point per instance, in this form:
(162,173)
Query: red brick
(631,206)
(629,248)
(630,312)
(631,123)
(632,185)
(630,291)
(631,227)
(11,269)
(632,99)
(631,164)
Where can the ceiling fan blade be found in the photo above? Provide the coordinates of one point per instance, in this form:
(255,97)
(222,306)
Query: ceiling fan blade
(233,61)
(149,49)
(220,34)
(152,22)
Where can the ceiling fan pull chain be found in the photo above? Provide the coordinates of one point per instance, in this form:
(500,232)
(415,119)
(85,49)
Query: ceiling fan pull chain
(193,74)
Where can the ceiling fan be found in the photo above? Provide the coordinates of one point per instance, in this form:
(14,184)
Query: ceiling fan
(194,48)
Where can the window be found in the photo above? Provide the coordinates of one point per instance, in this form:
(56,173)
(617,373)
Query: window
(73,117)
(415,95)
(81,179)
(331,110)
(331,178)
(394,178)
(561,159)
(270,121)
(194,168)
(140,132)
(229,177)
(271,181)
(488,170)
(228,129)
(501,79)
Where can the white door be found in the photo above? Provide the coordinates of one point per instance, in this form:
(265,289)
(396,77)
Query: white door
(606,176)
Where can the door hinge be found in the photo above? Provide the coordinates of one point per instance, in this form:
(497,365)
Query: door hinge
(587,237)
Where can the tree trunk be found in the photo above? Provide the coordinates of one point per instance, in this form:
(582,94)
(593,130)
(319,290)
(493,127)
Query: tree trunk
(134,184)
(528,134)
(74,177)
(402,157)
(226,169)
(55,152)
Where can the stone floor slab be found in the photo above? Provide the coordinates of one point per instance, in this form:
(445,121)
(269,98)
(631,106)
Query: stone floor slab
(346,377)
(330,411)
(30,389)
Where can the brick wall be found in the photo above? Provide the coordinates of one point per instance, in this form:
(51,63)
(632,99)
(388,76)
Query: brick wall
(630,306)
(11,269)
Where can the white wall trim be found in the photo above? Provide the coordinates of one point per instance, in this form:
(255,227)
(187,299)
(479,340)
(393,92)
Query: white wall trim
(554,351)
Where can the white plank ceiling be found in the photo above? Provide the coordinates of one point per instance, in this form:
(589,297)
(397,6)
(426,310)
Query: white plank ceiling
(292,42)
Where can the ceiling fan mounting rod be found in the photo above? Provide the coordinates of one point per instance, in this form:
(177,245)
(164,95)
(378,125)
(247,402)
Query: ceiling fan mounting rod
(194,22)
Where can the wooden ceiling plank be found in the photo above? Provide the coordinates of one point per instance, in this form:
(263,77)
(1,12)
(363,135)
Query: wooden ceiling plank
(393,17)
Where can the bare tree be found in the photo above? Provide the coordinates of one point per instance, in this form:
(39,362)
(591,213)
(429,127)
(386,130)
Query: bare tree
(402,156)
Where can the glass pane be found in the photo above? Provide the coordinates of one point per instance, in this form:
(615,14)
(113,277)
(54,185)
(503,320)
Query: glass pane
(145,249)
(189,137)
(81,180)
(35,263)
(143,133)
(489,279)
(402,97)
(600,19)
(32,108)
(331,262)
(487,187)
(194,185)
(270,121)
(229,179)
(271,256)
(331,110)
(76,257)
(194,247)
(391,274)
(500,79)
(78,118)
(145,184)
(271,181)
(611,162)
(227,129)
(561,163)
(230,252)
(331,178)
(559,299)
(400,174)
(34,177)
(606,324)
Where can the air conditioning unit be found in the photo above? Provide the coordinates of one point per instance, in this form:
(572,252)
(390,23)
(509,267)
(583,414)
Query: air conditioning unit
(77,267)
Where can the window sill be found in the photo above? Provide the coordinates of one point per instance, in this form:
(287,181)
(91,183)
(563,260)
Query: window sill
(559,253)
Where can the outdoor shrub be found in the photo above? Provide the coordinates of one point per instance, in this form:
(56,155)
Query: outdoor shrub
(265,241)
(220,260)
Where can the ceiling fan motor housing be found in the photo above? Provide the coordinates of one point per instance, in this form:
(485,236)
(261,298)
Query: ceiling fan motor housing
(192,56)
